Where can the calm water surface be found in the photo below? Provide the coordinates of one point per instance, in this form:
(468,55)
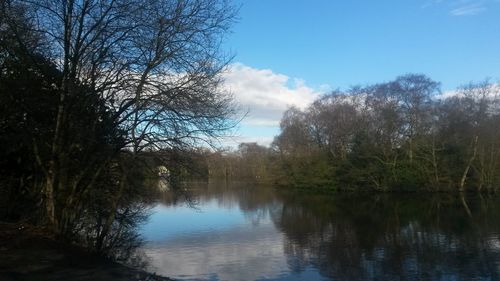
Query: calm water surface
(251,233)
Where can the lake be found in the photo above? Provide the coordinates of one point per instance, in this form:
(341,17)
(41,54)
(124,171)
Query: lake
(245,232)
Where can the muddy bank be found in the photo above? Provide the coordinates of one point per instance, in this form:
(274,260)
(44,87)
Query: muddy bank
(28,253)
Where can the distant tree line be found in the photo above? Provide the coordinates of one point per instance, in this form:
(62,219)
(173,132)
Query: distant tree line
(94,95)
(400,135)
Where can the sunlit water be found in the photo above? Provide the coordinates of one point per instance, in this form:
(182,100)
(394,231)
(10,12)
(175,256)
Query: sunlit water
(251,233)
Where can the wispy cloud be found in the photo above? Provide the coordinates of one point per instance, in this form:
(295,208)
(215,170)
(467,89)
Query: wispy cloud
(431,3)
(468,10)
(462,7)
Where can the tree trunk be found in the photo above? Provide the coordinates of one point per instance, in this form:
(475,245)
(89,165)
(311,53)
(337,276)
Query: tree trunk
(466,206)
(112,214)
(435,164)
(49,201)
(469,164)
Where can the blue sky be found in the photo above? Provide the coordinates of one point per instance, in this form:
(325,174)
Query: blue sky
(289,52)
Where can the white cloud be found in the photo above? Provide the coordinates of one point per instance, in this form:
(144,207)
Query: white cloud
(492,92)
(468,10)
(446,94)
(462,7)
(267,94)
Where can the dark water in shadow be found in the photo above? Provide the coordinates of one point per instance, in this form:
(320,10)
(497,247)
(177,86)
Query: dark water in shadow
(252,233)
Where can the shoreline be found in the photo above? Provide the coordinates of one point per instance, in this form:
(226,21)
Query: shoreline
(29,253)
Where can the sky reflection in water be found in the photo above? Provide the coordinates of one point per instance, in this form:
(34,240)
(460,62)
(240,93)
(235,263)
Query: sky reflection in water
(260,234)
(217,241)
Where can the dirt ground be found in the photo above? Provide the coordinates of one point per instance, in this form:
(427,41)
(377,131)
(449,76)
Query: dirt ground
(28,253)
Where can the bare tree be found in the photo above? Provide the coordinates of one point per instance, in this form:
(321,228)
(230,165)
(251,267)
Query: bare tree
(399,134)
(414,93)
(156,63)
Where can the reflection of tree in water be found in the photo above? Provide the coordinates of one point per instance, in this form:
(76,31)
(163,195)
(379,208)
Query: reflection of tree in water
(367,238)
(375,237)
(256,203)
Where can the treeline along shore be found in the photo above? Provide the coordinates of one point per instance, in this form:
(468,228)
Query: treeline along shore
(402,135)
